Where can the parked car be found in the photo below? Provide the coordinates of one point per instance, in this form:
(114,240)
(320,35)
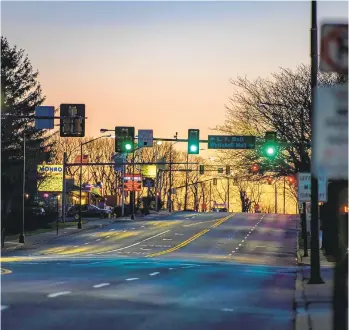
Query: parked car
(216,209)
(88,211)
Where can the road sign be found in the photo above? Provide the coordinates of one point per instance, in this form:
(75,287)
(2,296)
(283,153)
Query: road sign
(231,142)
(119,159)
(149,171)
(145,138)
(331,132)
(44,111)
(304,188)
(334,48)
(133,182)
(149,183)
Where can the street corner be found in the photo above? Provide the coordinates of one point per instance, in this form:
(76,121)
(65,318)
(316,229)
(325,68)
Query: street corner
(5,271)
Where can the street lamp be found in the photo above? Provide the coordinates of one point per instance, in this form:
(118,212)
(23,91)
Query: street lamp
(80,194)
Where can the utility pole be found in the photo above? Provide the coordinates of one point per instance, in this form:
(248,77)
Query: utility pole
(315,276)
(21,235)
(133,199)
(80,191)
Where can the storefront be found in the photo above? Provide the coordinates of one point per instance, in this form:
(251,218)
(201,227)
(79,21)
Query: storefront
(90,194)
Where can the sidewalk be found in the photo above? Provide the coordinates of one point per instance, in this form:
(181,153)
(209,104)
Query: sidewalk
(313,302)
(36,239)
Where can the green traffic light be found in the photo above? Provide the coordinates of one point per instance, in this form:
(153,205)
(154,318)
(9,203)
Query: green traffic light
(193,148)
(128,146)
(270,151)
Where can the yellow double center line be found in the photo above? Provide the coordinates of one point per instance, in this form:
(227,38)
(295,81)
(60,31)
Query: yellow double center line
(190,239)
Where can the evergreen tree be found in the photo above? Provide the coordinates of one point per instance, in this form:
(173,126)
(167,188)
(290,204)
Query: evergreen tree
(20,94)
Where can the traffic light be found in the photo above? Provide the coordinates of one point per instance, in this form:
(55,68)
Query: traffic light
(227,170)
(215,181)
(193,141)
(72,121)
(255,168)
(202,169)
(270,180)
(124,139)
(291,180)
(270,147)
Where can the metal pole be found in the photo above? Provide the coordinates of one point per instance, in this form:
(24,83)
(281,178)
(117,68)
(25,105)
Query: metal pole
(276,199)
(186,185)
(170,191)
(57,214)
(123,192)
(21,235)
(210,195)
(133,186)
(80,193)
(156,190)
(64,187)
(228,194)
(304,230)
(315,276)
(284,195)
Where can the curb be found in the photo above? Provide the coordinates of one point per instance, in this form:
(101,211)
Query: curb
(24,246)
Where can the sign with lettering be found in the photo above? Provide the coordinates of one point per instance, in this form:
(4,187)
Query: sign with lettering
(304,188)
(50,178)
(133,182)
(231,142)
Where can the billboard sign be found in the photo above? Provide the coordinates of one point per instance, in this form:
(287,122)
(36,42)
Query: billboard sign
(50,178)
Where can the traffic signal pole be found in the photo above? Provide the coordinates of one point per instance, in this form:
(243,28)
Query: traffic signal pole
(315,276)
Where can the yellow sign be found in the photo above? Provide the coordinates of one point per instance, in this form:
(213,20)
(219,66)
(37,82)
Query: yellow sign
(50,178)
(149,171)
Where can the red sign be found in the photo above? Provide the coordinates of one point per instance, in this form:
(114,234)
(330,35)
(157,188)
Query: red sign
(133,182)
(334,48)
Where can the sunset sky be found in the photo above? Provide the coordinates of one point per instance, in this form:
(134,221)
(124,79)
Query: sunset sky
(158,65)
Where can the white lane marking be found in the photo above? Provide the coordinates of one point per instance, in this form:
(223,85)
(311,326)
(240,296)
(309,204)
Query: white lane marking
(76,246)
(227,310)
(111,229)
(3,307)
(133,228)
(54,295)
(98,239)
(93,234)
(86,243)
(101,285)
(125,231)
(191,266)
(132,279)
(187,218)
(239,244)
(236,248)
(142,226)
(107,236)
(145,249)
(155,273)
(171,269)
(243,241)
(167,239)
(126,247)
(232,251)
(56,283)
(179,234)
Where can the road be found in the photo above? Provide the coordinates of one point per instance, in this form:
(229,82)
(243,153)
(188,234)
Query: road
(183,271)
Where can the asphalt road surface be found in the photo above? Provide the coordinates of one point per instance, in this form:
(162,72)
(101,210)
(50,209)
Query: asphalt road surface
(184,271)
